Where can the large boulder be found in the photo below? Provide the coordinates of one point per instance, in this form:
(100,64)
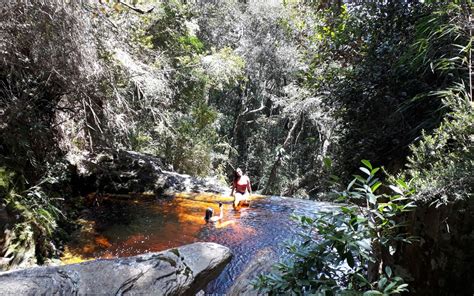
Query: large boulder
(180,271)
(123,172)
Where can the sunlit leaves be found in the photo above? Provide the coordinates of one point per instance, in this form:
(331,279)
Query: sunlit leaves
(221,68)
(367,164)
(337,247)
(37,218)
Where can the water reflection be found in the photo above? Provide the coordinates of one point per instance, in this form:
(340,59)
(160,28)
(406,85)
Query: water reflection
(156,225)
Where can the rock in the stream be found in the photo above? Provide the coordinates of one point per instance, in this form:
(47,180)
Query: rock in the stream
(261,264)
(180,271)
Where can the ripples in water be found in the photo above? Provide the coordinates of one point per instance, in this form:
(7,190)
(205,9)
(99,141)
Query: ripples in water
(156,225)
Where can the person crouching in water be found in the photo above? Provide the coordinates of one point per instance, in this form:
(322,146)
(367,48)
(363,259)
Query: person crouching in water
(210,212)
(241,188)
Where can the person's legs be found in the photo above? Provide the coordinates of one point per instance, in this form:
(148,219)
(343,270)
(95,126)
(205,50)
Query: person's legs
(246,196)
(237,198)
(245,199)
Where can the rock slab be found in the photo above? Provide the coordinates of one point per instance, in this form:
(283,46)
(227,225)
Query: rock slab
(180,271)
(122,172)
(261,264)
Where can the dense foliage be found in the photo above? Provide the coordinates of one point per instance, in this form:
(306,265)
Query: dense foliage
(294,92)
(348,251)
(406,97)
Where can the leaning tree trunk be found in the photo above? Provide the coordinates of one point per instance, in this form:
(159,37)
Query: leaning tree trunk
(279,157)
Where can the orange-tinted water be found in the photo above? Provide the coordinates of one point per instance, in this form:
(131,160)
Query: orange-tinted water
(156,225)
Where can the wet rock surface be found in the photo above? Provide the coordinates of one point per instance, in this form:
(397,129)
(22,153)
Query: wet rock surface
(261,264)
(179,271)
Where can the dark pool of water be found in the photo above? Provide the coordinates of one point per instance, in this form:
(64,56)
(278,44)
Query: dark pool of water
(156,225)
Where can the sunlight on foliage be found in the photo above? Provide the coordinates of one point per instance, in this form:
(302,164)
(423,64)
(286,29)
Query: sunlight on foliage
(341,252)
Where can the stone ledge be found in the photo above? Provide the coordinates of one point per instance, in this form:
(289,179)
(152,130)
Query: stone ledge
(179,271)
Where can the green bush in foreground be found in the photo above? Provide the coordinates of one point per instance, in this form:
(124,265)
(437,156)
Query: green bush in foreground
(30,237)
(347,252)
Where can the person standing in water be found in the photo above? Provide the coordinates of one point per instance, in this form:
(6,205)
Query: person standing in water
(241,188)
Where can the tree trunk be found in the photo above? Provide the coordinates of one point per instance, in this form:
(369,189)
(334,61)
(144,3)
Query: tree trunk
(238,137)
(279,157)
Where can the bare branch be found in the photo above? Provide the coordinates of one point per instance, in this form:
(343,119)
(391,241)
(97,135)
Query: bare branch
(246,112)
(135,8)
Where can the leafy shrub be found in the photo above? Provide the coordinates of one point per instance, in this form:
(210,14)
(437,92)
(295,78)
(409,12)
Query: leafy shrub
(441,161)
(347,251)
(31,239)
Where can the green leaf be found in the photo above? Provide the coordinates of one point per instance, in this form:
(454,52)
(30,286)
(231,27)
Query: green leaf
(388,271)
(402,288)
(402,184)
(327,162)
(390,287)
(334,178)
(372,198)
(382,282)
(361,278)
(372,293)
(375,186)
(396,189)
(365,170)
(351,184)
(367,163)
(345,210)
(358,177)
